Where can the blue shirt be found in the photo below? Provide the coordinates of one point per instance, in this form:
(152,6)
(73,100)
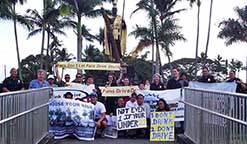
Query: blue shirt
(37,84)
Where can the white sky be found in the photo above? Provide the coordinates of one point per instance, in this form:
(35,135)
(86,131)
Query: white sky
(181,49)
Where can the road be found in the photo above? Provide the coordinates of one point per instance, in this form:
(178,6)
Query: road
(108,141)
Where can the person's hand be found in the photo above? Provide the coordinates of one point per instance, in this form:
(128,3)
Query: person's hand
(94,90)
(98,124)
(238,82)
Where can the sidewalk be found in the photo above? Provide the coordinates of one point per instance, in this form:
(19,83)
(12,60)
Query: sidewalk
(108,141)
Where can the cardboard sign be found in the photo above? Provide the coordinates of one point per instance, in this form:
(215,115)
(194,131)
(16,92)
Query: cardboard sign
(117,91)
(71,117)
(131,118)
(111,130)
(90,65)
(162,126)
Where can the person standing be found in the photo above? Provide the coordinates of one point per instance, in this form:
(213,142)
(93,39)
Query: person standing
(157,84)
(132,102)
(162,106)
(40,81)
(51,81)
(79,78)
(206,77)
(241,87)
(173,83)
(140,102)
(110,101)
(183,80)
(12,83)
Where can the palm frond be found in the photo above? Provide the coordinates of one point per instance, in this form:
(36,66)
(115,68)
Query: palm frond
(34,32)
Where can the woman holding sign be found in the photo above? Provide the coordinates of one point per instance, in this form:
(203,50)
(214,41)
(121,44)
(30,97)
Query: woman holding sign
(162,106)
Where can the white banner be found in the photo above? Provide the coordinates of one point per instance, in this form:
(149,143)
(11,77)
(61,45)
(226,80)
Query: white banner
(172,97)
(224,86)
(71,117)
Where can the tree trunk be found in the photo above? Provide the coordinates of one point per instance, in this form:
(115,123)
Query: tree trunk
(43,40)
(42,49)
(47,64)
(197,37)
(153,61)
(79,40)
(17,46)
(157,62)
(209,29)
(48,42)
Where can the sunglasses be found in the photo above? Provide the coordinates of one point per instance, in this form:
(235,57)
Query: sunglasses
(78,76)
(67,77)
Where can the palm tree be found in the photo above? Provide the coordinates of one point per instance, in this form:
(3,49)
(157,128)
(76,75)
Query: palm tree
(91,54)
(8,11)
(48,22)
(83,8)
(155,8)
(209,27)
(198,3)
(234,30)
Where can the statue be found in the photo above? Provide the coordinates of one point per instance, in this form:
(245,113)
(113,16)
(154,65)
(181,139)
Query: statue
(115,34)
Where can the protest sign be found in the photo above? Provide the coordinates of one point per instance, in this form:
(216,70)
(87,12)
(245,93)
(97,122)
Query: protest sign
(172,97)
(77,93)
(71,117)
(131,118)
(90,65)
(111,130)
(162,126)
(117,91)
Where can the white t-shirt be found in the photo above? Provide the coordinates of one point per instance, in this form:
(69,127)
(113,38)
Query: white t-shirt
(99,108)
(129,104)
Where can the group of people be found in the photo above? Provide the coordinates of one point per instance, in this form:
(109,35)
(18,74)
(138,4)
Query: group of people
(107,106)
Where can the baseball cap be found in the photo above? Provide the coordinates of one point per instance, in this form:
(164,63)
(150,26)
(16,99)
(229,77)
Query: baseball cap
(50,77)
(93,95)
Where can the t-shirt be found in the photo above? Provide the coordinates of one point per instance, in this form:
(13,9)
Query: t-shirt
(129,104)
(37,84)
(239,88)
(147,109)
(207,79)
(173,84)
(160,86)
(12,84)
(99,108)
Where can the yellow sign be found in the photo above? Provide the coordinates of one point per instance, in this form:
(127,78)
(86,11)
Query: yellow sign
(162,126)
(118,90)
(90,65)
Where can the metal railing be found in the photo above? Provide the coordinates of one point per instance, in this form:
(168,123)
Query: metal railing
(24,116)
(213,117)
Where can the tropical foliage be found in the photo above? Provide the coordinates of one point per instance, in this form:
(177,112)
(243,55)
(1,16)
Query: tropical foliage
(234,30)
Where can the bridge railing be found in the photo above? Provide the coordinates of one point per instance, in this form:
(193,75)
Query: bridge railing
(213,117)
(24,116)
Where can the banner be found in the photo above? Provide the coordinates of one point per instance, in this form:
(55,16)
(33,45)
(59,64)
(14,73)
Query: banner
(224,86)
(111,130)
(76,93)
(71,117)
(162,126)
(118,91)
(131,118)
(90,65)
(172,97)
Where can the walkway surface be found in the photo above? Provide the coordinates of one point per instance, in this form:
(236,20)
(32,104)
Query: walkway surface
(108,141)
